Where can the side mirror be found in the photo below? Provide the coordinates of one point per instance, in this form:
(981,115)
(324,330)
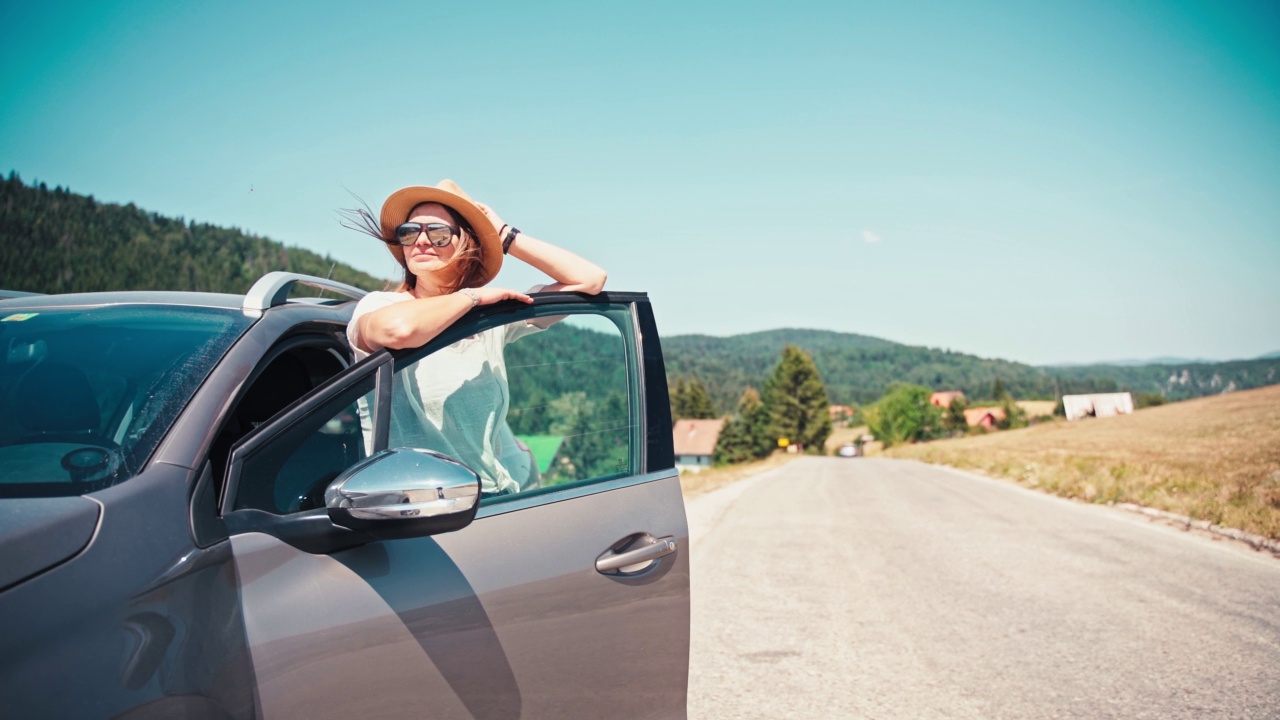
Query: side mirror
(404,492)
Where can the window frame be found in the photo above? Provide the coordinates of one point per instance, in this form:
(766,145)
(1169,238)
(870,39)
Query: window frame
(378,364)
(546,305)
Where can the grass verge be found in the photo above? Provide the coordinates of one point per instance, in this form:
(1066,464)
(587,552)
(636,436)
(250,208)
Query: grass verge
(1215,459)
(696,483)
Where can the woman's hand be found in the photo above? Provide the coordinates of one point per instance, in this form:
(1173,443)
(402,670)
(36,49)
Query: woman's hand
(489,295)
(498,224)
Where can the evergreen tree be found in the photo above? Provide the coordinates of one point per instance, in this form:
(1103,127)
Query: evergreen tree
(998,391)
(797,400)
(758,423)
(679,399)
(697,401)
(746,436)
(691,400)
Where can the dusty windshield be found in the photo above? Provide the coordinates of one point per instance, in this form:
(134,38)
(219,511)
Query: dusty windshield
(87,393)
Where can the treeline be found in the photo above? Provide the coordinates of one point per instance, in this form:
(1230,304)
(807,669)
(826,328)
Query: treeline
(858,370)
(1177,382)
(793,407)
(55,241)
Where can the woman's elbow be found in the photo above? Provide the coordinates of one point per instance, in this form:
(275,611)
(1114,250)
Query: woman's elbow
(395,334)
(596,283)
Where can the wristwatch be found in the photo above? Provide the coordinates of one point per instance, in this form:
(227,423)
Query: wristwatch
(512,232)
(475,299)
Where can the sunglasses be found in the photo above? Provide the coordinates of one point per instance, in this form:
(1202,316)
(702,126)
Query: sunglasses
(438,234)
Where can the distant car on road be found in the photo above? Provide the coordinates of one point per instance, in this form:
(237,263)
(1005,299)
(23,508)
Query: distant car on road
(208,510)
(848,450)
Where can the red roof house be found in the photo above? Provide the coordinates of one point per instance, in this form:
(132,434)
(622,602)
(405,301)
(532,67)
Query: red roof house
(986,417)
(943,399)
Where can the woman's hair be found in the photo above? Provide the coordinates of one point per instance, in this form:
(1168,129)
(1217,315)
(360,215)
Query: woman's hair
(467,258)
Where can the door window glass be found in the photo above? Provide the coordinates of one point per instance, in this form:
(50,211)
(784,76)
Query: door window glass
(528,409)
(290,471)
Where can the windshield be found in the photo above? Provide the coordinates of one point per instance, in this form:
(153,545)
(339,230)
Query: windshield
(87,393)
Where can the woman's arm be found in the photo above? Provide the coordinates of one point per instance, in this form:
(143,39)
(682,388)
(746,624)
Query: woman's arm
(415,322)
(571,272)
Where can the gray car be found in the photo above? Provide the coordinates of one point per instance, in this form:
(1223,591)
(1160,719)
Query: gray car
(207,510)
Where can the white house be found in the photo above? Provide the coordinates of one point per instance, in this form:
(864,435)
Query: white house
(1097,405)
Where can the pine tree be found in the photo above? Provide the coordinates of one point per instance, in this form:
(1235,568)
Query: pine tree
(746,436)
(679,399)
(690,399)
(797,400)
(698,401)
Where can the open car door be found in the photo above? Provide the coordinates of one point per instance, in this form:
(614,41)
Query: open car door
(567,596)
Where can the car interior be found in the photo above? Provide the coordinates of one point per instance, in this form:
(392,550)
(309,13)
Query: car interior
(296,367)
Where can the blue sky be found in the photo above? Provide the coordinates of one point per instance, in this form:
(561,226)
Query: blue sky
(1042,182)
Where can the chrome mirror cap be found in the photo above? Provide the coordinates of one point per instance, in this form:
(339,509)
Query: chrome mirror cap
(404,492)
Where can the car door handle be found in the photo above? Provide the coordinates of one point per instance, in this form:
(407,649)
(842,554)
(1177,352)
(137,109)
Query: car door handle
(617,563)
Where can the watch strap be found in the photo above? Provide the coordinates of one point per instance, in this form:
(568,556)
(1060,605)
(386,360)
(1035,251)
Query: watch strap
(512,232)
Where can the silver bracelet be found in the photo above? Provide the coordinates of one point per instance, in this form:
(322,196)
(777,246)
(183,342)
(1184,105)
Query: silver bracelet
(475,299)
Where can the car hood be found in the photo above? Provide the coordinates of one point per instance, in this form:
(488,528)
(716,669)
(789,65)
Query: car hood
(38,533)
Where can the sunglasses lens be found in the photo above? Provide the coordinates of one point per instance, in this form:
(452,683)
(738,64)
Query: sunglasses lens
(407,233)
(439,235)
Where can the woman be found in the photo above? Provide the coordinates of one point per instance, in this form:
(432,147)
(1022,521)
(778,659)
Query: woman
(450,247)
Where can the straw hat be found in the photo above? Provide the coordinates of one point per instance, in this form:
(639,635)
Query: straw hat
(397,207)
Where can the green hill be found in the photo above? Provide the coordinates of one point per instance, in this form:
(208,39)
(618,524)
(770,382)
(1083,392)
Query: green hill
(55,241)
(859,369)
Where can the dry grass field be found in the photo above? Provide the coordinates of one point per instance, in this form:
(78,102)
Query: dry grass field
(696,483)
(1215,459)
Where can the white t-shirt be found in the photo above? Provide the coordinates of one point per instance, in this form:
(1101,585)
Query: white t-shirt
(455,402)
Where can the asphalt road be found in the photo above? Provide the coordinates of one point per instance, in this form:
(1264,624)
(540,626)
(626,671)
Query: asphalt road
(872,588)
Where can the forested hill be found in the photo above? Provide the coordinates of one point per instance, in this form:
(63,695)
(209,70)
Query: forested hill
(55,241)
(858,369)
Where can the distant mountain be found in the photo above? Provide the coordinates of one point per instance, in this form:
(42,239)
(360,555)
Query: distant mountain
(55,241)
(856,368)
(1270,356)
(859,369)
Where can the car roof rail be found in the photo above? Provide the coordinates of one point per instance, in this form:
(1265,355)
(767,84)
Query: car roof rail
(272,289)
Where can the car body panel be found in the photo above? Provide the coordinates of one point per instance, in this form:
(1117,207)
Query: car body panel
(38,533)
(138,616)
(476,625)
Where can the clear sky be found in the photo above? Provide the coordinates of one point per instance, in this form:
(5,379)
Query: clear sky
(1044,182)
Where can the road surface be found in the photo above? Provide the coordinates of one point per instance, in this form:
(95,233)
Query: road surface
(851,588)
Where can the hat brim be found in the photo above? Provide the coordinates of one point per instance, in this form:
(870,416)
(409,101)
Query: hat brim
(401,202)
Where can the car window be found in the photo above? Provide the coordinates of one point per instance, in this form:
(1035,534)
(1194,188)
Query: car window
(86,394)
(290,471)
(529,410)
